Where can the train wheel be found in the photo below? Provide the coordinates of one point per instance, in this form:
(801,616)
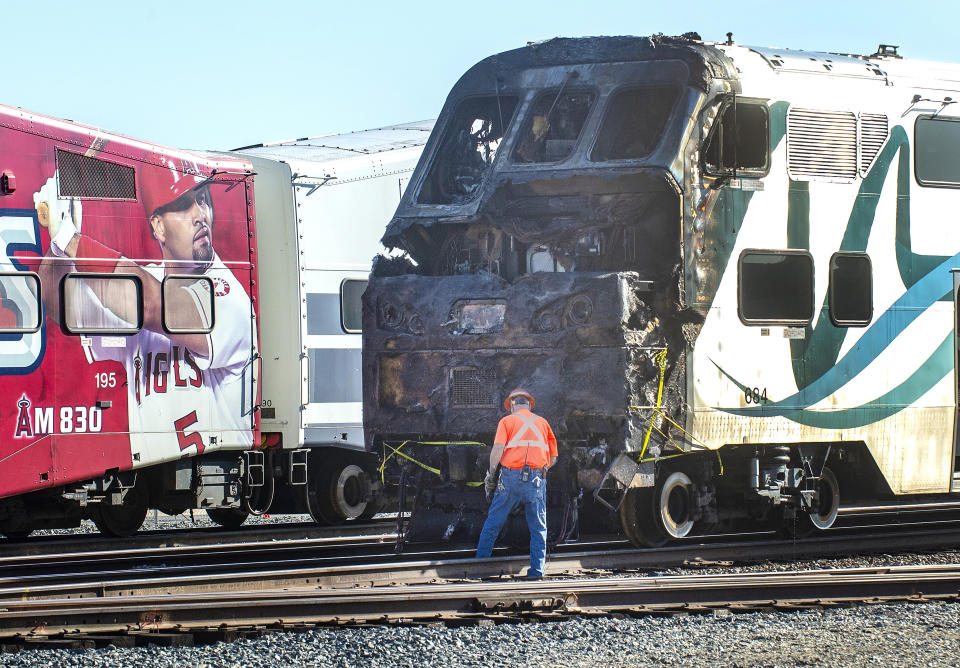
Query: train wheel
(675,503)
(826,502)
(639,517)
(340,493)
(347,492)
(123,520)
(228,518)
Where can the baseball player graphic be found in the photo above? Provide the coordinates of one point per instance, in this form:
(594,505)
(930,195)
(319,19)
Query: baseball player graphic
(188,365)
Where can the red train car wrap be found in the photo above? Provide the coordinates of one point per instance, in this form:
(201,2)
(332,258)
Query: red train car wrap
(128,304)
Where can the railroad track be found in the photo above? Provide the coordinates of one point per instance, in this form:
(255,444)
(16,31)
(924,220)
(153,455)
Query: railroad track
(276,590)
(476,601)
(369,560)
(55,545)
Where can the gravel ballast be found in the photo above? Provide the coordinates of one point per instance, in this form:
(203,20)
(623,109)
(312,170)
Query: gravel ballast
(869,635)
(875,635)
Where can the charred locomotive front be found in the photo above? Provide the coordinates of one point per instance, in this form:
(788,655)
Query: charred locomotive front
(541,246)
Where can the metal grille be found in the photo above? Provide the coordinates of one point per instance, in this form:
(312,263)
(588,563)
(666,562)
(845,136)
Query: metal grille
(821,145)
(873,134)
(471,387)
(83,176)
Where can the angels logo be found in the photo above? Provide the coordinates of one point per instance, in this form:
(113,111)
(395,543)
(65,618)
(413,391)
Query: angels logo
(220,287)
(24,428)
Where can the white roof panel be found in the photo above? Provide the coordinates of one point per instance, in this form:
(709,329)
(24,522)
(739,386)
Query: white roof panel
(326,148)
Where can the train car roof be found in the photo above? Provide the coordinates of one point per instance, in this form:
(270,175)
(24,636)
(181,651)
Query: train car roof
(85,136)
(892,70)
(326,148)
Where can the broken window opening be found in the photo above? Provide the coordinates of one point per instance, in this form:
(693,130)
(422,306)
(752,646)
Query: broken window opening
(740,140)
(471,250)
(553,127)
(540,258)
(467,150)
(634,123)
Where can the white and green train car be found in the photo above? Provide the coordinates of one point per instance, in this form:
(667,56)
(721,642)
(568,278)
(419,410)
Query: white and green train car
(726,274)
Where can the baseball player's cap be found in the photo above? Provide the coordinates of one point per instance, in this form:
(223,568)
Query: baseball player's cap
(159,186)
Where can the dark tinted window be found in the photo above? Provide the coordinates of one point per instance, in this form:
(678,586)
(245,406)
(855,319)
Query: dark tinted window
(351,306)
(553,126)
(740,140)
(775,287)
(938,151)
(467,150)
(851,289)
(634,123)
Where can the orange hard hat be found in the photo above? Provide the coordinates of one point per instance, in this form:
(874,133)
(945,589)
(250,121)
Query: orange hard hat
(519,392)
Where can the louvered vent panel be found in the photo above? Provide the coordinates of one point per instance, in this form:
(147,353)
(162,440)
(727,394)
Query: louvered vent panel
(873,133)
(821,144)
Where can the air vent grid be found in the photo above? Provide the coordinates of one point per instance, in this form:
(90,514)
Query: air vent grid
(471,387)
(92,178)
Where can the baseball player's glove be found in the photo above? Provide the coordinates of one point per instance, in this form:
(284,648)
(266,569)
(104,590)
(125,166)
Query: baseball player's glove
(61,216)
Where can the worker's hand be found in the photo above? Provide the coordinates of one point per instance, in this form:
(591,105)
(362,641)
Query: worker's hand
(61,217)
(490,484)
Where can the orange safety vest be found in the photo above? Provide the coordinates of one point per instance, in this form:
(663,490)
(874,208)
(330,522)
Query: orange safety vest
(527,439)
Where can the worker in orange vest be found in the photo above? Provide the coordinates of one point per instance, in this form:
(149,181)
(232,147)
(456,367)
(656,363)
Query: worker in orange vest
(524,448)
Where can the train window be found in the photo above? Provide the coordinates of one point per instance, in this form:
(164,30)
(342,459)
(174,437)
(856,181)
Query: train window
(467,149)
(83,176)
(634,123)
(775,287)
(187,304)
(937,156)
(101,304)
(19,302)
(351,305)
(553,127)
(851,289)
(740,140)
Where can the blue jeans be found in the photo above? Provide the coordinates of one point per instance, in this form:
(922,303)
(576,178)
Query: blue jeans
(511,491)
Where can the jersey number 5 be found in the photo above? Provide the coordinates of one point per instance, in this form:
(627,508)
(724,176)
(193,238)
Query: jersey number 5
(187,439)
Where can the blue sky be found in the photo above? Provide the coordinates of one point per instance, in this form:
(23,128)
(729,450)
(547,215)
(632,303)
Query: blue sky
(218,75)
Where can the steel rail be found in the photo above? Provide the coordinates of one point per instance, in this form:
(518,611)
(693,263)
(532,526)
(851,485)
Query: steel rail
(148,554)
(56,545)
(274,575)
(426,602)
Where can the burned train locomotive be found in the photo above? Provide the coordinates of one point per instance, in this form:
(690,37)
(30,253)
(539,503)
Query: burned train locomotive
(679,248)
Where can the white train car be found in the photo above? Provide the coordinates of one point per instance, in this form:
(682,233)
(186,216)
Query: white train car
(322,203)
(723,271)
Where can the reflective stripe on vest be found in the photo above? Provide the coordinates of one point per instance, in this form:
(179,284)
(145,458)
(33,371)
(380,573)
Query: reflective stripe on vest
(529,423)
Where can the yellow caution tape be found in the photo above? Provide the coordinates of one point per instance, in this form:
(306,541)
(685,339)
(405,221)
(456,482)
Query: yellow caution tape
(661,360)
(395,451)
